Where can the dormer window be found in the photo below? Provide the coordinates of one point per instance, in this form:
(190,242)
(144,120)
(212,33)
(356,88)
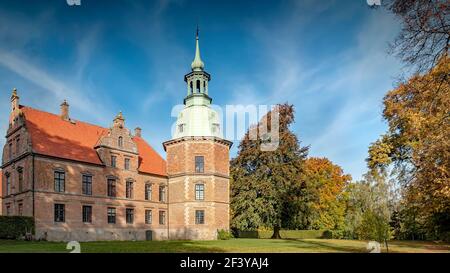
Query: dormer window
(181,128)
(215,128)
(120,142)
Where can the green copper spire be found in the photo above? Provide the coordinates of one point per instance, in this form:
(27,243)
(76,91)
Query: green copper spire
(197,64)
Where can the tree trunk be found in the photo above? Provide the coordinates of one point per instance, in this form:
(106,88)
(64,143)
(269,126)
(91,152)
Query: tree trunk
(276,233)
(387,246)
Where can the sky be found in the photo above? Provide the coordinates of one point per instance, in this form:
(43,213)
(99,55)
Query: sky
(328,58)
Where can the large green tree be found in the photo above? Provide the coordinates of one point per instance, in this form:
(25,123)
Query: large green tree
(265,184)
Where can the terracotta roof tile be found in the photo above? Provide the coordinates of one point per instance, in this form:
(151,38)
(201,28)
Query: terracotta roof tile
(53,136)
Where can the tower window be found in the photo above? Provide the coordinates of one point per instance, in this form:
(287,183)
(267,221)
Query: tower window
(191,88)
(199,217)
(181,128)
(199,192)
(120,142)
(199,164)
(198,86)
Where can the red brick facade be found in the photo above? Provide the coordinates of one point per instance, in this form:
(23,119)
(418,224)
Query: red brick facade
(84,182)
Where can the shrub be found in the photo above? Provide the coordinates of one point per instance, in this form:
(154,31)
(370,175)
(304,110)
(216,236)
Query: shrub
(285,234)
(15,227)
(224,234)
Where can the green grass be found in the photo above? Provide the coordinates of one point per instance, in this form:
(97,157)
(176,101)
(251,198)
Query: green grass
(233,245)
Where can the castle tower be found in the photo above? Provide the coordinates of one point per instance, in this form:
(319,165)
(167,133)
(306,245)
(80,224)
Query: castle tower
(197,164)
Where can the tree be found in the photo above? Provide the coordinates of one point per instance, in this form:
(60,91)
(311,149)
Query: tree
(325,184)
(370,204)
(425,35)
(265,183)
(417,143)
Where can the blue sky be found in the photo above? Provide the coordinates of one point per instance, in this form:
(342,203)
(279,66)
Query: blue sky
(328,58)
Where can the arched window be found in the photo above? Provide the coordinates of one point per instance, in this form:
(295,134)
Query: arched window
(120,141)
(191,90)
(198,86)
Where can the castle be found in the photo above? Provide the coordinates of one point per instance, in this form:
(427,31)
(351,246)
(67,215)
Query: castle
(85,182)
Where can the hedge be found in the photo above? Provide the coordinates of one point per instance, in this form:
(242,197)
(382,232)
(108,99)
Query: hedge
(285,234)
(14,227)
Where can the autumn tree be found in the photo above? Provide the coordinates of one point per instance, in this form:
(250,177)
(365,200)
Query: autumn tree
(264,183)
(416,147)
(325,183)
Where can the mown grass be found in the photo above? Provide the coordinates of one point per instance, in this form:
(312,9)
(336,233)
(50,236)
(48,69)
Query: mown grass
(233,245)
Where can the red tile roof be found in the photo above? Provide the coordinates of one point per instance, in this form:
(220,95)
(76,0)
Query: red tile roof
(53,136)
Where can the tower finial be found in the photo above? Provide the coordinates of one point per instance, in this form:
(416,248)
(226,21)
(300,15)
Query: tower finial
(197,64)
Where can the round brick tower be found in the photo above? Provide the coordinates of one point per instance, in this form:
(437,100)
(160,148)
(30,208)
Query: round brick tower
(197,164)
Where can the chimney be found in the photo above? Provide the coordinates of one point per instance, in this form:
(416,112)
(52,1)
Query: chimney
(65,111)
(137,132)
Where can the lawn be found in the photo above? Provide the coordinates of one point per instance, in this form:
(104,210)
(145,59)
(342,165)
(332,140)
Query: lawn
(233,245)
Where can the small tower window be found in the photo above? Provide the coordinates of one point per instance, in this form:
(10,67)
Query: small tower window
(181,128)
(191,88)
(198,86)
(120,141)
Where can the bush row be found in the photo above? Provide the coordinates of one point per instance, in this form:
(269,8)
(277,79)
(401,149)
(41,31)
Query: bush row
(15,227)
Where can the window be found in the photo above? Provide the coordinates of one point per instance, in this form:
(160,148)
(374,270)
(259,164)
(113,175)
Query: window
(113,161)
(199,164)
(87,184)
(111,215)
(129,189)
(162,193)
(20,209)
(87,214)
(59,212)
(198,86)
(191,88)
(60,178)
(17,146)
(127,163)
(162,217)
(199,192)
(130,216)
(199,217)
(8,210)
(181,128)
(148,191)
(148,216)
(216,128)
(20,174)
(111,187)
(8,184)
(10,151)
(120,141)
